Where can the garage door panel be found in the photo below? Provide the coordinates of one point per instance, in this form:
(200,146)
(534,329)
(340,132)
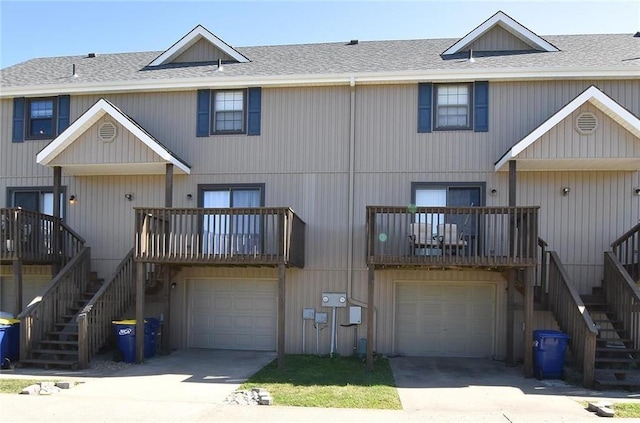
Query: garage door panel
(233,314)
(445,319)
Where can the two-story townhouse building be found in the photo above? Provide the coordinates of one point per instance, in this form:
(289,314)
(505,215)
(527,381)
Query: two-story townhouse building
(421,182)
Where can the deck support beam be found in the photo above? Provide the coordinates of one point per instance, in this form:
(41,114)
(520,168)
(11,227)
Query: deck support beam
(165,346)
(529,280)
(57,240)
(281,314)
(511,289)
(17,279)
(140,277)
(370,310)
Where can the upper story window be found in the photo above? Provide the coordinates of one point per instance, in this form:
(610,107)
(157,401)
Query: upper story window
(453,103)
(228,112)
(41,114)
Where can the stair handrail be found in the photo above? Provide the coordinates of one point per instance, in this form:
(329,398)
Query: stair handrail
(109,303)
(542,272)
(573,318)
(40,316)
(623,296)
(626,248)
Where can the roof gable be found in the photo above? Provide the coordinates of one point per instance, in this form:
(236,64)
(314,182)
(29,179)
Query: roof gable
(594,97)
(199,45)
(47,156)
(500,33)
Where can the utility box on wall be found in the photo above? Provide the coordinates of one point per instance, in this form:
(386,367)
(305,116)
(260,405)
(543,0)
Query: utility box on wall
(355,315)
(334,299)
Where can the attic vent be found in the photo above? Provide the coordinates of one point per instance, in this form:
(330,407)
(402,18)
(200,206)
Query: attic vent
(586,123)
(107,132)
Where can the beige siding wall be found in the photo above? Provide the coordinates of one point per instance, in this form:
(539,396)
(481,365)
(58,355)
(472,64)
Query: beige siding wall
(302,157)
(201,51)
(34,279)
(89,148)
(498,39)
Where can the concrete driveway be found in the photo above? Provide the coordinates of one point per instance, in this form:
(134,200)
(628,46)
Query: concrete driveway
(191,386)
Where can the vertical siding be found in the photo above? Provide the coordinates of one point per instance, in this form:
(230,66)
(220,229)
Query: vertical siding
(499,39)
(201,51)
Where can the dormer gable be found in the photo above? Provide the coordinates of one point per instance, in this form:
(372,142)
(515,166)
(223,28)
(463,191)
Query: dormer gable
(199,45)
(500,33)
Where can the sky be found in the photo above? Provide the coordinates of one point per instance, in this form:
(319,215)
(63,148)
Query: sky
(30,29)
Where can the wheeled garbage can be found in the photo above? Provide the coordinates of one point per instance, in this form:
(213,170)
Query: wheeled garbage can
(9,342)
(549,347)
(125,331)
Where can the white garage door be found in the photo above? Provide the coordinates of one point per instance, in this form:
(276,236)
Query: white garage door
(232,314)
(445,319)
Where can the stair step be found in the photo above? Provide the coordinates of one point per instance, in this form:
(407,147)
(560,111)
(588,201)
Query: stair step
(50,362)
(68,316)
(55,352)
(616,349)
(64,325)
(617,360)
(606,377)
(59,333)
(56,342)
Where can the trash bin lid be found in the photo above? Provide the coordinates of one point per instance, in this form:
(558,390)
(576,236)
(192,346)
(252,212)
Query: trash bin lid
(9,321)
(125,322)
(539,334)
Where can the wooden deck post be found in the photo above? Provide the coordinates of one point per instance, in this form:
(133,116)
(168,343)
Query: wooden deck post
(370,308)
(165,346)
(140,277)
(511,289)
(56,236)
(168,186)
(529,280)
(281,314)
(17,280)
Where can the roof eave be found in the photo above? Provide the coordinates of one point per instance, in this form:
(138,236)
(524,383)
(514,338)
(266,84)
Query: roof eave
(487,74)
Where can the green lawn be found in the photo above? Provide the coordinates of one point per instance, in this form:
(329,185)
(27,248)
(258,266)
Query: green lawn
(339,382)
(627,410)
(14,386)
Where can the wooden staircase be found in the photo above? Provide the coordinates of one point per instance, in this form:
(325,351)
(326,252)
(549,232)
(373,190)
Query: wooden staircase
(617,361)
(59,348)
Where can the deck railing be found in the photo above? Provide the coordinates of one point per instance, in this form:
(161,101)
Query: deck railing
(623,296)
(36,237)
(456,236)
(42,313)
(573,317)
(627,249)
(110,302)
(230,236)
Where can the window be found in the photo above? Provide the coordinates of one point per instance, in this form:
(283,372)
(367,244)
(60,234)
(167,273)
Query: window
(39,199)
(453,104)
(228,112)
(231,233)
(40,118)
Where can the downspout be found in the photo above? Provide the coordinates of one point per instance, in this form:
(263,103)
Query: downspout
(350,206)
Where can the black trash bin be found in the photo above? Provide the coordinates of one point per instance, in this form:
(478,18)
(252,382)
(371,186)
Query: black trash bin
(549,347)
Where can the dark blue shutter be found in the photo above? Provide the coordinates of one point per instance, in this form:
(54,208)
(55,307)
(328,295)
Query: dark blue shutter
(203,120)
(18,119)
(253,110)
(63,113)
(424,106)
(481,109)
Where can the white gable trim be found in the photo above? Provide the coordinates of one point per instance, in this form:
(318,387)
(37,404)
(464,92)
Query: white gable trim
(506,22)
(91,116)
(593,95)
(190,39)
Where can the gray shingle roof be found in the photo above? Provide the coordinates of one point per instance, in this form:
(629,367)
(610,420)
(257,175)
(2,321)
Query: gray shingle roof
(597,52)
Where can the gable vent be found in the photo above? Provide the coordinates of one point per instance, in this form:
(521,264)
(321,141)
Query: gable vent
(586,123)
(107,132)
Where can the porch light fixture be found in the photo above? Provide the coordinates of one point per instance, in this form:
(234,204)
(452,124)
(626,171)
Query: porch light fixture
(565,191)
(637,191)
(493,192)
(72,199)
(189,197)
(128,196)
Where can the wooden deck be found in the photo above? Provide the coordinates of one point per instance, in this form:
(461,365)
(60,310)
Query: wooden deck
(485,237)
(262,236)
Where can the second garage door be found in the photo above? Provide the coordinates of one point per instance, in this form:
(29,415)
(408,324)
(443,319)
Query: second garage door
(232,314)
(445,319)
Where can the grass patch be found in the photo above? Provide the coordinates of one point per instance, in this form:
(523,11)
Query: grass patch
(338,382)
(627,410)
(14,386)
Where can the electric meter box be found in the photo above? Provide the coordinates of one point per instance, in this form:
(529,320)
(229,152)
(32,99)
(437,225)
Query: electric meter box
(308,313)
(355,315)
(334,299)
(321,318)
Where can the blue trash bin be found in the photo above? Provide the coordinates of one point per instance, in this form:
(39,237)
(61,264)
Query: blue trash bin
(125,331)
(549,347)
(9,341)
(151,329)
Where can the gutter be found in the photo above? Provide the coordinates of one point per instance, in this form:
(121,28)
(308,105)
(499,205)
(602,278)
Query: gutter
(224,81)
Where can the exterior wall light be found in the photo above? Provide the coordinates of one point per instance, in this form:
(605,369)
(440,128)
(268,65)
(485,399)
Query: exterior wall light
(72,199)
(493,192)
(565,191)
(637,191)
(128,196)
